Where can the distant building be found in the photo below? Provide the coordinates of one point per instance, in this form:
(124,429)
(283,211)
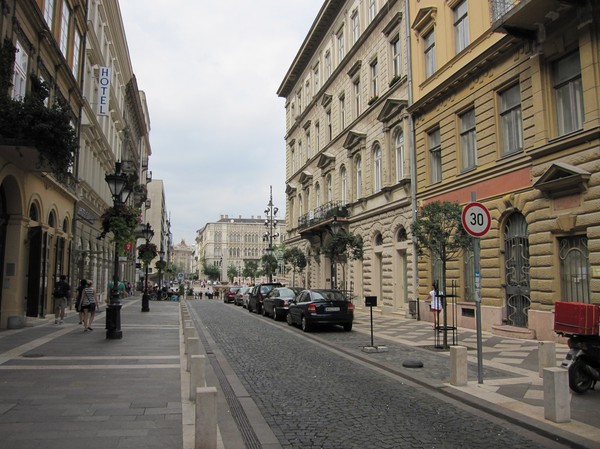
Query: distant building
(183,258)
(230,242)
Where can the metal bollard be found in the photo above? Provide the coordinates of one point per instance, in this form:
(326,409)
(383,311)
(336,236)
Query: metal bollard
(206,418)
(546,356)
(197,374)
(557,396)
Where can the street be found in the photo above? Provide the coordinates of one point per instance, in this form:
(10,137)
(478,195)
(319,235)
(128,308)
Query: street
(314,397)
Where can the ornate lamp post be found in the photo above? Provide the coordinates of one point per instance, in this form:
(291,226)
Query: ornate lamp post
(117,183)
(147,233)
(271,224)
(335,227)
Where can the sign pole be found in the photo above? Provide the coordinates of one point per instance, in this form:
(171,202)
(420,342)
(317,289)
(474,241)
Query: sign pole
(477,268)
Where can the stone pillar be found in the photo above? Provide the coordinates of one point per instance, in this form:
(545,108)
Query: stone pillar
(197,374)
(458,366)
(546,356)
(206,418)
(557,396)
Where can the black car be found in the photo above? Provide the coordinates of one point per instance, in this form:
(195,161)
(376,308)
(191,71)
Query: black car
(276,303)
(315,307)
(230,294)
(258,293)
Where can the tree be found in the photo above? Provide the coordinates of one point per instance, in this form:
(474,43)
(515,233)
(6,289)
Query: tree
(250,269)
(297,259)
(212,272)
(269,265)
(232,272)
(438,230)
(342,246)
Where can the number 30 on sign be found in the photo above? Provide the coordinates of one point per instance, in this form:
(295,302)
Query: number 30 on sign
(476,219)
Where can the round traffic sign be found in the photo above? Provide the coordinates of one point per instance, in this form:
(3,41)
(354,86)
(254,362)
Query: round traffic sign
(476,219)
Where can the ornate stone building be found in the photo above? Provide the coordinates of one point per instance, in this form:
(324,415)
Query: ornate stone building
(347,149)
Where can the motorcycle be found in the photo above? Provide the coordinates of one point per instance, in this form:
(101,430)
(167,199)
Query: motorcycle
(583,362)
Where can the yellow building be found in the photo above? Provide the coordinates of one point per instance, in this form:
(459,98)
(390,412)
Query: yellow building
(506,107)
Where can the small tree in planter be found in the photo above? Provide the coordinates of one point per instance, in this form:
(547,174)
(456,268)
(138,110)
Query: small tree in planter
(342,246)
(297,259)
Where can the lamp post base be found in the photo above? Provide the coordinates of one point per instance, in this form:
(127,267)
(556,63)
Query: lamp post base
(113,322)
(145,302)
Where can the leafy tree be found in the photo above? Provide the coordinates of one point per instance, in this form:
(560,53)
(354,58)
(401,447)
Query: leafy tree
(342,246)
(297,259)
(250,269)
(269,265)
(232,272)
(212,272)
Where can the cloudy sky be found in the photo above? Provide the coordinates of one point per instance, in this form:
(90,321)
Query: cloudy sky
(210,70)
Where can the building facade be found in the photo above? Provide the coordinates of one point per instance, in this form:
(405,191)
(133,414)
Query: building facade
(230,242)
(506,110)
(347,149)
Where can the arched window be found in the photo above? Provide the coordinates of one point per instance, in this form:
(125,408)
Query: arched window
(358,169)
(329,189)
(400,156)
(401,236)
(378,239)
(33,212)
(344,179)
(52,219)
(317,195)
(377,169)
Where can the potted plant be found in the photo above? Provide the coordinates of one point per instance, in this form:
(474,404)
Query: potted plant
(122,221)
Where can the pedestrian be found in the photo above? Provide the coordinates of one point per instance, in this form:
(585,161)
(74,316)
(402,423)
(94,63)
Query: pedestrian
(129,289)
(82,286)
(436,304)
(61,293)
(88,304)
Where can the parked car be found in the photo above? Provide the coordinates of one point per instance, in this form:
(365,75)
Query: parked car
(239,296)
(315,307)
(229,295)
(258,293)
(278,300)
(246,297)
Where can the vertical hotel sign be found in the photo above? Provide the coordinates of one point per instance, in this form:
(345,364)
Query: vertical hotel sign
(104,81)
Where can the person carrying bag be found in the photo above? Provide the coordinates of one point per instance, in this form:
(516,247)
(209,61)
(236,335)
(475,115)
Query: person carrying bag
(88,305)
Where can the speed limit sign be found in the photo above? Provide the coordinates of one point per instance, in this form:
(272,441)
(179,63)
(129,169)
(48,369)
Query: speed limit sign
(476,219)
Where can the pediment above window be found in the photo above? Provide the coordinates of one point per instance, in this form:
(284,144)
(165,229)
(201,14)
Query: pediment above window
(355,68)
(562,180)
(391,108)
(326,100)
(305,177)
(325,159)
(355,141)
(292,142)
(392,24)
(424,20)
(306,125)
(290,191)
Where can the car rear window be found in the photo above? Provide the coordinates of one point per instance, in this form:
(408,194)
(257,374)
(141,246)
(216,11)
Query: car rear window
(330,296)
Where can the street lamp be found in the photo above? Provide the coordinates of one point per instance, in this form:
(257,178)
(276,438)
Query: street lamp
(270,223)
(117,183)
(147,233)
(335,227)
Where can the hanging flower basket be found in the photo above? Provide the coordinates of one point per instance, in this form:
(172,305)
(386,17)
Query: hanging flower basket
(122,221)
(160,264)
(147,252)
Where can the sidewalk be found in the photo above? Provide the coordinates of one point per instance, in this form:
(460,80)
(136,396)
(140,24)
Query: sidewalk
(62,388)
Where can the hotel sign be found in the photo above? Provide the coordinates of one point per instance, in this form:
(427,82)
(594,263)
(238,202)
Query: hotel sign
(104,81)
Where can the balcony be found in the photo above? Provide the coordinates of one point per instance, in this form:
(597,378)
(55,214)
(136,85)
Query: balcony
(522,18)
(322,215)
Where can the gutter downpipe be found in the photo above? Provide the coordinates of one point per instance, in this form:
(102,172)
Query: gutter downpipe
(413,155)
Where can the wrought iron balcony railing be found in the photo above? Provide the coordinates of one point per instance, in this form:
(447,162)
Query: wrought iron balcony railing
(323,213)
(499,8)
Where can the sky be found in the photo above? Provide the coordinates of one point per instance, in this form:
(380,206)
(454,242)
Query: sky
(210,71)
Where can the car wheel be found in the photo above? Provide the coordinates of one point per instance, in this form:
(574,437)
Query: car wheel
(288,318)
(275,316)
(306,327)
(347,327)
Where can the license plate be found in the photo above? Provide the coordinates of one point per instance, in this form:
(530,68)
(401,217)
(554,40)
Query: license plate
(332,309)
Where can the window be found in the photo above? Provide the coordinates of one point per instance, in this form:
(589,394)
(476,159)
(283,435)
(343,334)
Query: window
(344,182)
(329,190)
(307,95)
(340,46)
(308,145)
(329,130)
(429,41)
(357,103)
(568,93)
(299,101)
(372,10)
(374,80)
(574,269)
(358,167)
(318,195)
(377,169)
(435,156)
(468,144)
(20,72)
(399,156)
(355,26)
(342,113)
(300,155)
(293,160)
(396,57)
(49,12)
(65,22)
(511,123)
(317,137)
(76,53)
(461,27)
(316,78)
(327,64)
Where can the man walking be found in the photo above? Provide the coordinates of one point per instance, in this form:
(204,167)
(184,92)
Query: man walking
(61,295)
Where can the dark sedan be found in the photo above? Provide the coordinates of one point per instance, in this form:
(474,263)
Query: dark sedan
(278,300)
(315,307)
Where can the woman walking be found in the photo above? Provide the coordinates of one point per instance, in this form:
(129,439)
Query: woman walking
(82,286)
(88,305)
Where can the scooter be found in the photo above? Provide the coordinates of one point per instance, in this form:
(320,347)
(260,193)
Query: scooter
(583,362)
